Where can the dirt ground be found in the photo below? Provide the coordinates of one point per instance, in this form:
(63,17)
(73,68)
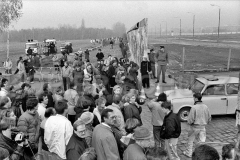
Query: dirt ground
(199,55)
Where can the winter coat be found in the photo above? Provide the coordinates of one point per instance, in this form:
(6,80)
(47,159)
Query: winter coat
(75,147)
(78,77)
(132,111)
(29,124)
(145,67)
(134,152)
(105,144)
(171,127)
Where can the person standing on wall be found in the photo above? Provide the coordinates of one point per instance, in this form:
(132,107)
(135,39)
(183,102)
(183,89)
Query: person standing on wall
(162,61)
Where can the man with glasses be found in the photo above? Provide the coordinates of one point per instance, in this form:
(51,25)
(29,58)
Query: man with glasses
(105,144)
(77,143)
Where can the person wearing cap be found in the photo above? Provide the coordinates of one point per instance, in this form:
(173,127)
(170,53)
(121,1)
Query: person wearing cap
(171,130)
(135,151)
(162,61)
(157,118)
(145,70)
(77,144)
(87,118)
(152,60)
(105,144)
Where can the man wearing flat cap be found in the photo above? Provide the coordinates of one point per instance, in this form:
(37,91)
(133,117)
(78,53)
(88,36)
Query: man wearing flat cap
(162,61)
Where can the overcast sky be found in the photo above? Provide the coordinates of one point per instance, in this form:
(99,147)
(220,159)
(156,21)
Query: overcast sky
(96,13)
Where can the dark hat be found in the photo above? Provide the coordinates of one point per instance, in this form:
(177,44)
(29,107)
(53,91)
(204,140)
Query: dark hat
(162,47)
(142,133)
(162,97)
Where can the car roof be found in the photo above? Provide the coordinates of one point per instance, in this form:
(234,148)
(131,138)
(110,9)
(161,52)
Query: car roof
(211,80)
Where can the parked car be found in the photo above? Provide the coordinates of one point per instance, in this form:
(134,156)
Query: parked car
(66,47)
(219,94)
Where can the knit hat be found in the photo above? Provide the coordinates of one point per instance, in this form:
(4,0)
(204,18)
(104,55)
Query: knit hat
(142,133)
(87,117)
(162,47)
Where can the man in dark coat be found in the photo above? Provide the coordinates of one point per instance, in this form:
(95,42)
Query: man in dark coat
(100,55)
(77,143)
(145,69)
(78,76)
(152,60)
(29,51)
(171,130)
(87,54)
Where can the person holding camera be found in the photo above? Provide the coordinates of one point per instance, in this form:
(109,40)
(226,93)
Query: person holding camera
(29,123)
(12,142)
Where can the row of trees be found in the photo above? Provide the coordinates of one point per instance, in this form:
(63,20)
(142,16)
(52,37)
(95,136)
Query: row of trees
(10,10)
(64,32)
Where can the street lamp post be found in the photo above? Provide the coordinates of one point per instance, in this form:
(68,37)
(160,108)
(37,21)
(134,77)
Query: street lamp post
(180,29)
(193,22)
(166,29)
(219,15)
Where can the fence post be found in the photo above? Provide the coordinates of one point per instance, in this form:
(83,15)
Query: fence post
(229,59)
(183,59)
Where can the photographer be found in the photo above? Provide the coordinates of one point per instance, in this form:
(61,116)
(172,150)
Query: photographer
(11,147)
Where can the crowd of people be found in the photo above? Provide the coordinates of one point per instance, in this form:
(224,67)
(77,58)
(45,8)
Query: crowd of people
(96,115)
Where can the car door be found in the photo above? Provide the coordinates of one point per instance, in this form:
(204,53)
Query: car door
(232,92)
(215,98)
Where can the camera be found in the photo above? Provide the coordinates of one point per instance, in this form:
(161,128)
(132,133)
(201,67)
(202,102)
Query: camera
(15,132)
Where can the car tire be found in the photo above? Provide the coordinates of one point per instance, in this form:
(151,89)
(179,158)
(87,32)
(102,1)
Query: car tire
(183,113)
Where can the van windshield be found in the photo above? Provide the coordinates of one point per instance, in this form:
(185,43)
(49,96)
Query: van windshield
(31,45)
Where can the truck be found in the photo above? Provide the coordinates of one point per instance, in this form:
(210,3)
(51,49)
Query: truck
(34,45)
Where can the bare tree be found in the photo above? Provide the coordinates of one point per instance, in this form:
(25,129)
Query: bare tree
(10,10)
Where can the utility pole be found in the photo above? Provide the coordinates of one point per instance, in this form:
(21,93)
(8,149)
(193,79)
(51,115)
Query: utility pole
(193,22)
(219,15)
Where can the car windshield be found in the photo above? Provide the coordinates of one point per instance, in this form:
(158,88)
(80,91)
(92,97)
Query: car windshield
(197,86)
(32,45)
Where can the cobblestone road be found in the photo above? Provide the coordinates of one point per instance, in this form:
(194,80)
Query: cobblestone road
(221,130)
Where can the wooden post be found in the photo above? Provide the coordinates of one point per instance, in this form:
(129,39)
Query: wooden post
(238,123)
(183,58)
(229,59)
